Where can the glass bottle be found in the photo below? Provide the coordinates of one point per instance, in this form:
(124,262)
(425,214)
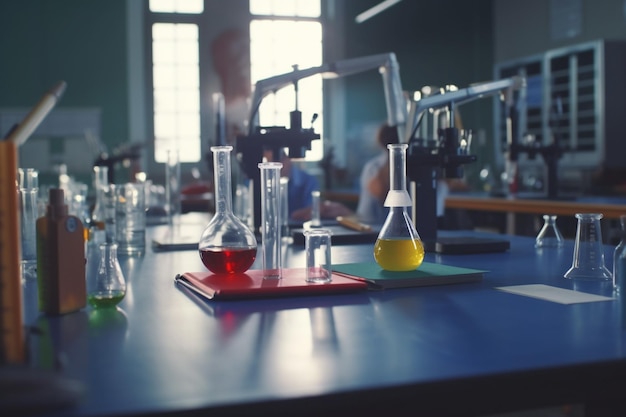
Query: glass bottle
(227,245)
(619,259)
(109,286)
(549,236)
(398,247)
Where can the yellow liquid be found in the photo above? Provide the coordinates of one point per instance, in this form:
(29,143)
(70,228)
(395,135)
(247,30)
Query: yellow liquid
(399,254)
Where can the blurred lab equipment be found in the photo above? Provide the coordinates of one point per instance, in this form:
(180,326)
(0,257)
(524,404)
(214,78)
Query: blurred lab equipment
(172,185)
(398,246)
(100,182)
(316,217)
(298,139)
(441,148)
(226,245)
(549,236)
(588,258)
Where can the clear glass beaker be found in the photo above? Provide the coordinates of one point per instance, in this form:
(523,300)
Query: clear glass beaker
(588,259)
(270,219)
(398,247)
(549,236)
(108,287)
(227,245)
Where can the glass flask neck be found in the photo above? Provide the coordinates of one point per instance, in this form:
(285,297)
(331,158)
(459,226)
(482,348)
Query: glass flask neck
(222,178)
(397,166)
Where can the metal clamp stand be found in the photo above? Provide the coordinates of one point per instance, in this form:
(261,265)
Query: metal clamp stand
(426,157)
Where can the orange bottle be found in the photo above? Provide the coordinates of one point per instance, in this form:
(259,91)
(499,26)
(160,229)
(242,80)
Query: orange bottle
(60,258)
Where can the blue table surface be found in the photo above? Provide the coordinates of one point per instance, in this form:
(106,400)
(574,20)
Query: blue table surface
(163,350)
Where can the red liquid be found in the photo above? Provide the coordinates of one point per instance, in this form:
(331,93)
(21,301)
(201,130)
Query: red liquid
(228,261)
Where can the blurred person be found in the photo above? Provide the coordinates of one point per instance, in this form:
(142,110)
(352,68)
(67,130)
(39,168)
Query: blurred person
(374,182)
(300,186)
(374,179)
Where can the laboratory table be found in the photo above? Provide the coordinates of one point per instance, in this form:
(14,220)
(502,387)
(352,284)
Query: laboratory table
(531,203)
(463,349)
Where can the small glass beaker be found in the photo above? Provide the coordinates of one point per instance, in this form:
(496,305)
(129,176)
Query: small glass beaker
(271,241)
(398,247)
(549,236)
(108,287)
(227,245)
(588,258)
(317,243)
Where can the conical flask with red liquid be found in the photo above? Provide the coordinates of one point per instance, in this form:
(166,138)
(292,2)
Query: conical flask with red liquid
(227,245)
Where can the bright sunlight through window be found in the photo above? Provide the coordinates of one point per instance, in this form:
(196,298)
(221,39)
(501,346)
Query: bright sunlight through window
(276,45)
(176,91)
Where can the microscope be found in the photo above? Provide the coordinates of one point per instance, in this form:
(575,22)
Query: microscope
(250,147)
(428,157)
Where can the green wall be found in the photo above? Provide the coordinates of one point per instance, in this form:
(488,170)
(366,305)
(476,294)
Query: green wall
(80,41)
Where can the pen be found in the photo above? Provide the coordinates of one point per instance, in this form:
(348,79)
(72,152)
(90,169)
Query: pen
(353,224)
(34,118)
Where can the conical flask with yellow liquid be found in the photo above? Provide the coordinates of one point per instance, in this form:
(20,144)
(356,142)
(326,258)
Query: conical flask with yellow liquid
(398,247)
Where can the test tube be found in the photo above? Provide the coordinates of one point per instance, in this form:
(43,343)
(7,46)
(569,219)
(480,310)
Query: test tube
(284,206)
(28,190)
(316,220)
(270,219)
(172,185)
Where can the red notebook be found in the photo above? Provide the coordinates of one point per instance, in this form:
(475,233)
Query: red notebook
(251,284)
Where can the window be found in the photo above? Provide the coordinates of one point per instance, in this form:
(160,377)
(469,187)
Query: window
(176,82)
(284,33)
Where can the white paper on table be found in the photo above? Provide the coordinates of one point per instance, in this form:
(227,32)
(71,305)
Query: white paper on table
(554,294)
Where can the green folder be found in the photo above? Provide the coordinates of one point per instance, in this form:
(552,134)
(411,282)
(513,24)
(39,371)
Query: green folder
(427,274)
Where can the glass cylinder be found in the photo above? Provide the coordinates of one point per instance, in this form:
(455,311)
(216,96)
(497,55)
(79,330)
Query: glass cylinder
(398,247)
(549,236)
(284,207)
(588,258)
(28,191)
(172,185)
(100,182)
(227,245)
(316,215)
(619,259)
(109,286)
(270,219)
